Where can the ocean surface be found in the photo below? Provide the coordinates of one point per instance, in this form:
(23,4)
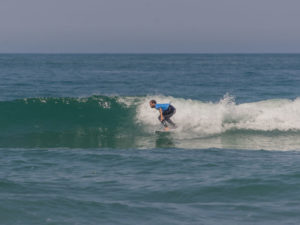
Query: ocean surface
(78,142)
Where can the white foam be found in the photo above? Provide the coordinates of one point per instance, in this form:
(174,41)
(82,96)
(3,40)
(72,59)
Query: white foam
(198,119)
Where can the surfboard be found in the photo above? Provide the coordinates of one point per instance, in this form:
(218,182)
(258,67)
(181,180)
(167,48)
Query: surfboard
(161,131)
(164,131)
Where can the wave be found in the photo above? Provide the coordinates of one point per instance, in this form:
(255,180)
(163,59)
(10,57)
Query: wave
(129,122)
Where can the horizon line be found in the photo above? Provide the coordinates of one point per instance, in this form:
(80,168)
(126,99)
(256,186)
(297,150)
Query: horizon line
(148,53)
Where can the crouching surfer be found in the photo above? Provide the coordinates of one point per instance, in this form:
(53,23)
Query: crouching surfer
(166,112)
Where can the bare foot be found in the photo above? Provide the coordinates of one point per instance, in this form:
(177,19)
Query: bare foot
(166,128)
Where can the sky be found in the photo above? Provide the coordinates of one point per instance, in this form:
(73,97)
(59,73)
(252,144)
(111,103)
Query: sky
(149,26)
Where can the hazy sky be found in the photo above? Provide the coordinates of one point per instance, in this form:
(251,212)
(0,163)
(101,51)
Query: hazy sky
(133,26)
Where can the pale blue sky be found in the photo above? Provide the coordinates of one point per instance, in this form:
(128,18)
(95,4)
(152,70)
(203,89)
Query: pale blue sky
(137,26)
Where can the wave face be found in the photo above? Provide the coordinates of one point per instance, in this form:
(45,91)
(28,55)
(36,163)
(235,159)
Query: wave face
(65,122)
(128,122)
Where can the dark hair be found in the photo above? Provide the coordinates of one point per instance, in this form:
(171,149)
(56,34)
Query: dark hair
(153,101)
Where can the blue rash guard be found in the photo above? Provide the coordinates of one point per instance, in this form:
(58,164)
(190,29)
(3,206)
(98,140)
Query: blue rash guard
(164,107)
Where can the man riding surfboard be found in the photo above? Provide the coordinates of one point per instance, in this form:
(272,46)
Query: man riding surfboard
(166,111)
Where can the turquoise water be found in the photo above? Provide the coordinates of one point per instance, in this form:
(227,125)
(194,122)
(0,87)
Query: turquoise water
(78,142)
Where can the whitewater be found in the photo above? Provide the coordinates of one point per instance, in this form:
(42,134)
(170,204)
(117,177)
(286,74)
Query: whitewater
(269,124)
(204,118)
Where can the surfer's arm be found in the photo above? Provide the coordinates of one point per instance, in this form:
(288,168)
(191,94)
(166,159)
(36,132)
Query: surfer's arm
(161,114)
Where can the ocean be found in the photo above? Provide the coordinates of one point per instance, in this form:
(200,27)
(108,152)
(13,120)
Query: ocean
(78,142)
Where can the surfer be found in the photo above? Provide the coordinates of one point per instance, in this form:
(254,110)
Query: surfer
(166,112)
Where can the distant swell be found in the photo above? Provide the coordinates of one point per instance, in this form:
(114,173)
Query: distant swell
(128,122)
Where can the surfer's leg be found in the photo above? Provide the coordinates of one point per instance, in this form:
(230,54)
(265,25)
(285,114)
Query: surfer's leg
(168,117)
(170,122)
(164,123)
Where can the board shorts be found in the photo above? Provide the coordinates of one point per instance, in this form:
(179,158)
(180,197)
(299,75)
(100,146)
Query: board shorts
(167,115)
(169,112)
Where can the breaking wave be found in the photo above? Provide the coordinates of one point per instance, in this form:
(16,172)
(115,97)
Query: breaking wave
(129,122)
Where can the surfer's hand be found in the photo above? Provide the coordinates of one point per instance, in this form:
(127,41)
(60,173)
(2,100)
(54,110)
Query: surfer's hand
(161,118)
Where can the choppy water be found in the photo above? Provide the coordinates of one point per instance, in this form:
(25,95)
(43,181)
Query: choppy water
(77,141)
